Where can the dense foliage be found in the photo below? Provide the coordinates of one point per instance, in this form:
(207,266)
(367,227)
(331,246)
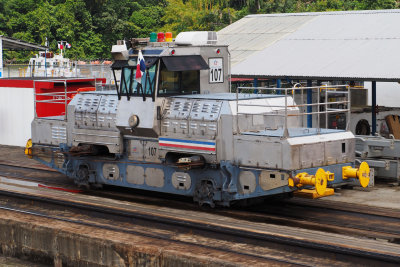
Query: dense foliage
(92,26)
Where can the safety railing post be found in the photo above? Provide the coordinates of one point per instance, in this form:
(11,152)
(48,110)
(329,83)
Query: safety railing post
(326,106)
(34,98)
(318,110)
(302,108)
(348,107)
(285,131)
(65,99)
(237,110)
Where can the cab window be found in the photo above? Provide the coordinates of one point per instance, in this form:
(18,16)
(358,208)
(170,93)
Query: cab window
(178,82)
(128,81)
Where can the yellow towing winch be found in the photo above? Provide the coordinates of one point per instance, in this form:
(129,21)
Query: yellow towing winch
(321,177)
(319,180)
(361,173)
(28,148)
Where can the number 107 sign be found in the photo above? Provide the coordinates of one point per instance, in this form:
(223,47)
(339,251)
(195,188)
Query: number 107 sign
(216,70)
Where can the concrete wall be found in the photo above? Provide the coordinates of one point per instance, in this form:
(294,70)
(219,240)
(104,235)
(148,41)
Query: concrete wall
(16,115)
(387,94)
(66,244)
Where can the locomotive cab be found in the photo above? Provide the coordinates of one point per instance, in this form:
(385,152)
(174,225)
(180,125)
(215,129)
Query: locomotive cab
(170,69)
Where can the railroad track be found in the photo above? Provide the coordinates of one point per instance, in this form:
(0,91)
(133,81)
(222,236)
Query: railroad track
(322,215)
(229,228)
(36,166)
(33,173)
(327,217)
(157,236)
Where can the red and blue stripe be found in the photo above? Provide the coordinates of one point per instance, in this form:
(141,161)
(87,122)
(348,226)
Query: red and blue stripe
(187,144)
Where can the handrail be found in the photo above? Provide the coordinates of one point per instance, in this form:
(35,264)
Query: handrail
(58,97)
(322,105)
(56,93)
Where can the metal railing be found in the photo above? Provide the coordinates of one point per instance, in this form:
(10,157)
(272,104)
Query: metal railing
(323,105)
(56,97)
(78,70)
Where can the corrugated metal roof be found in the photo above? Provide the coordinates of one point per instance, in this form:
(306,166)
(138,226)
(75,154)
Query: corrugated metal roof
(355,45)
(325,13)
(15,44)
(252,34)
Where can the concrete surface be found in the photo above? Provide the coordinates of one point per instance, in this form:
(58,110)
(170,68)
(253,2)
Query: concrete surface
(13,262)
(381,195)
(16,155)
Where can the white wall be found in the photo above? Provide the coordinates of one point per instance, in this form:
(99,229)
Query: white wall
(387,94)
(16,115)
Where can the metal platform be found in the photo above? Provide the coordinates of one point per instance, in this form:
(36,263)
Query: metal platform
(381,154)
(229,96)
(293,132)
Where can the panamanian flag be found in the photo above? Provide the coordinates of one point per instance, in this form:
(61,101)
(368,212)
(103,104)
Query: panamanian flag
(141,67)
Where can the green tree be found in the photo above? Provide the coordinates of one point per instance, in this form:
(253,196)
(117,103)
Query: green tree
(147,19)
(379,4)
(93,26)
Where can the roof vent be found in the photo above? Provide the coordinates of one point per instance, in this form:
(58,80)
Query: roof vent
(196,38)
(120,51)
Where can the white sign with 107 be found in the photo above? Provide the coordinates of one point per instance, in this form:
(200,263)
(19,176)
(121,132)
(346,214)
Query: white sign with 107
(216,70)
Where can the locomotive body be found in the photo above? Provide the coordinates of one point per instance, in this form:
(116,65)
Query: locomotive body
(176,128)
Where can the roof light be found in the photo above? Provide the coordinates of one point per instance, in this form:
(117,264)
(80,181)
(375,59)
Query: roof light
(173,52)
(160,37)
(196,38)
(153,37)
(218,51)
(168,36)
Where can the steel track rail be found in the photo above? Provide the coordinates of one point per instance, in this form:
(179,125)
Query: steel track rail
(17,166)
(324,224)
(236,231)
(326,216)
(343,206)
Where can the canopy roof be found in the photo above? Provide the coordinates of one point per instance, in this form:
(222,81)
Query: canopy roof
(356,45)
(15,44)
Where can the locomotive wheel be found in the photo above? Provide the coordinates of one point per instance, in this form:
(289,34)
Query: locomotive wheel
(82,176)
(204,193)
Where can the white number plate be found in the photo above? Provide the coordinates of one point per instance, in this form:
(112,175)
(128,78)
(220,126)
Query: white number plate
(216,70)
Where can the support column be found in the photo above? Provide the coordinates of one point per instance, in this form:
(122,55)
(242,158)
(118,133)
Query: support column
(373,107)
(255,84)
(278,85)
(309,101)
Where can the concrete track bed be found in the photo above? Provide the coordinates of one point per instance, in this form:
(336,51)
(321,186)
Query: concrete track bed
(65,244)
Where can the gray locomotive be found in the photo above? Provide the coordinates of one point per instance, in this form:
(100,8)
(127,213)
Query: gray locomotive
(173,126)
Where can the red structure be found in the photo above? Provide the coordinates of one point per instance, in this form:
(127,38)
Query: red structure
(53,95)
